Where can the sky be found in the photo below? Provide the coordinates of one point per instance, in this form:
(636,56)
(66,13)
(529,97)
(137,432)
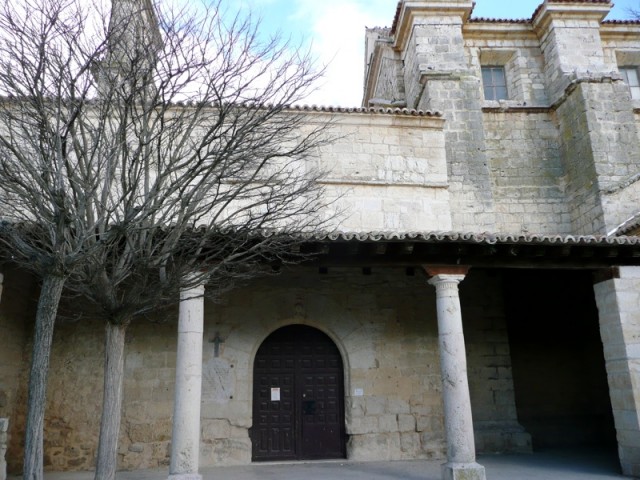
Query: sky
(335,31)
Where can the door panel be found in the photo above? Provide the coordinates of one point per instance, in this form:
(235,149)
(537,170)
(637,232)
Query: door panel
(308,420)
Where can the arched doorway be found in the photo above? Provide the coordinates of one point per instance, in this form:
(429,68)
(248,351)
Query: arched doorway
(298,397)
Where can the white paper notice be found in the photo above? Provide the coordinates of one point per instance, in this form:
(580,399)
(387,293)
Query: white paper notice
(275,394)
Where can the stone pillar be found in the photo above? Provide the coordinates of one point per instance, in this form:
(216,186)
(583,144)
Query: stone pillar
(185,442)
(429,37)
(593,106)
(618,298)
(461,454)
(4,428)
(569,34)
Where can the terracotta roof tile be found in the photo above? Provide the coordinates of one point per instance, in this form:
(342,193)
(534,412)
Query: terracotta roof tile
(499,20)
(396,18)
(631,224)
(378,110)
(478,238)
(519,20)
(537,10)
(621,22)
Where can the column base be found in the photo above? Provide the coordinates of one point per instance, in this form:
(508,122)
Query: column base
(185,476)
(463,471)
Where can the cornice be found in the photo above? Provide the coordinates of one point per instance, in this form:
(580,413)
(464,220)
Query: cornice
(410,10)
(498,30)
(574,10)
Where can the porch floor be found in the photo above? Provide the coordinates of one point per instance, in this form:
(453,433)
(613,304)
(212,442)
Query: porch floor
(554,464)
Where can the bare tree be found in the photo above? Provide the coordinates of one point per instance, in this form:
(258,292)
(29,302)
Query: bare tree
(143,152)
(633,12)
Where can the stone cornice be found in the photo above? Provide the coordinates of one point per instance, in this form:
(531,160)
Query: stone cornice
(547,12)
(410,10)
(377,117)
(499,30)
(619,31)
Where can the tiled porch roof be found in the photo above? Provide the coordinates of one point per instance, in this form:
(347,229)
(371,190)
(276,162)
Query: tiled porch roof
(502,250)
(630,227)
(469,237)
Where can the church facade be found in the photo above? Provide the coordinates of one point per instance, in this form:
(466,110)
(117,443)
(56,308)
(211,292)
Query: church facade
(480,294)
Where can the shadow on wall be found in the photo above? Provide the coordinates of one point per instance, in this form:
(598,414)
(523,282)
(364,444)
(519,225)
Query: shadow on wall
(561,389)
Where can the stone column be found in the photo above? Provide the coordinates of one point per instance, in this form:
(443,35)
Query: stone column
(185,442)
(461,453)
(4,427)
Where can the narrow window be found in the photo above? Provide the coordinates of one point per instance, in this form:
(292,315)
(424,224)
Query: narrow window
(494,82)
(630,75)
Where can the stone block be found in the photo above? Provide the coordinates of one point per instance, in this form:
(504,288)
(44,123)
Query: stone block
(406,423)
(216,428)
(630,272)
(430,423)
(362,425)
(387,423)
(398,406)
(235,451)
(375,405)
(463,471)
(410,443)
(374,447)
(136,448)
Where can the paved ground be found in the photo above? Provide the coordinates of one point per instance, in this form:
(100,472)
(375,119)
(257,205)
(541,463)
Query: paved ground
(564,465)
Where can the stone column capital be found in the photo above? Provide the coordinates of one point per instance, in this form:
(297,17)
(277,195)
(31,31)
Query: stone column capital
(445,281)
(195,291)
(438,270)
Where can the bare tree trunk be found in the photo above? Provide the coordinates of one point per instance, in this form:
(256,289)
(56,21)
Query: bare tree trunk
(43,336)
(112,401)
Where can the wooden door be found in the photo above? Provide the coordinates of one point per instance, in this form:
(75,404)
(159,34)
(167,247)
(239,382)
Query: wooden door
(298,397)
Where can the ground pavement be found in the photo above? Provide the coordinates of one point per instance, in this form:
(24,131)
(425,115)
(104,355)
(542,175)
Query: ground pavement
(562,465)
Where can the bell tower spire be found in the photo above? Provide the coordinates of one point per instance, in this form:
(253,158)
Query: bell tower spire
(133,41)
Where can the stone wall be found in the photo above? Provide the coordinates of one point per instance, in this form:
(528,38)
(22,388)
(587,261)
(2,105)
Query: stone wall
(389,85)
(383,70)
(570,170)
(519,52)
(572,47)
(17,309)
(388,340)
(149,393)
(495,418)
(386,172)
(527,174)
(384,325)
(557,359)
(577,156)
(74,395)
(599,149)
(442,80)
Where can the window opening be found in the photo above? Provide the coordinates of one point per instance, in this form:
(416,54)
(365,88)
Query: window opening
(494,82)
(630,75)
